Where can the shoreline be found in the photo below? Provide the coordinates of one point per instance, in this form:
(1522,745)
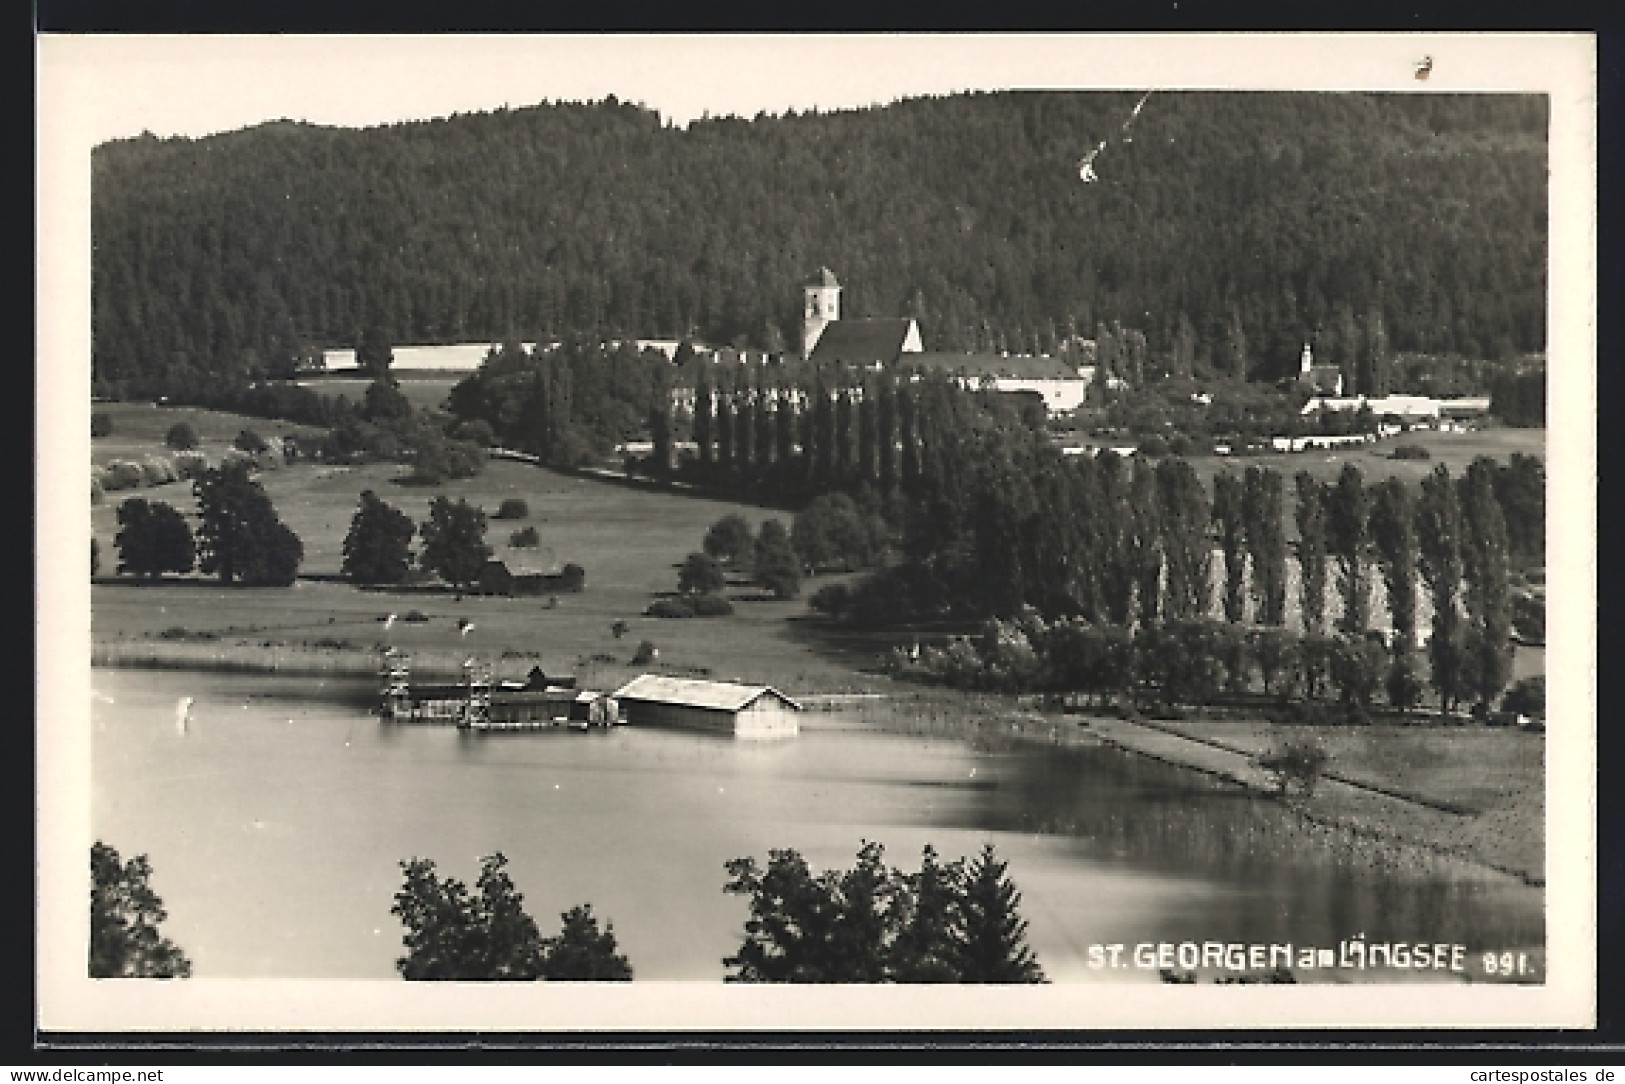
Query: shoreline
(1375,813)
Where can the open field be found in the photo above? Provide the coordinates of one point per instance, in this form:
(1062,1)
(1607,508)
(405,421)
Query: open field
(424,389)
(629,541)
(139,430)
(1493,777)
(1454,450)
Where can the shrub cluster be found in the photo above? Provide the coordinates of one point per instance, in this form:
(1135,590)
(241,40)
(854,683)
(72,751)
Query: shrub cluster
(707,605)
(1175,662)
(513,508)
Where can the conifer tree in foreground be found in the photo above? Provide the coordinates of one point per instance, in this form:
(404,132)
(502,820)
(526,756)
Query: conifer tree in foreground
(991,935)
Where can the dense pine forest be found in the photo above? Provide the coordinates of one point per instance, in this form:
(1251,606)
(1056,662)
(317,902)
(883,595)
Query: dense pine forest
(1230,227)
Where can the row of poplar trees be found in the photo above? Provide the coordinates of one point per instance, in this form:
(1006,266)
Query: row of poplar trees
(797,431)
(993,519)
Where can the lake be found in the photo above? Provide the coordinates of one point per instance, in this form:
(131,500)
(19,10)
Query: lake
(277,821)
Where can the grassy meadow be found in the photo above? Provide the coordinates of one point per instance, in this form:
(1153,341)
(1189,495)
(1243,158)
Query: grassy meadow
(630,541)
(1481,790)
(139,430)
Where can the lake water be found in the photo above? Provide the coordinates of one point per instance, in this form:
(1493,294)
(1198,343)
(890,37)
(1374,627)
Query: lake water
(275,824)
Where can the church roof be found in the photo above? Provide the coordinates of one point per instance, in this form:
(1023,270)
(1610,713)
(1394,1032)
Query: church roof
(825,278)
(862,342)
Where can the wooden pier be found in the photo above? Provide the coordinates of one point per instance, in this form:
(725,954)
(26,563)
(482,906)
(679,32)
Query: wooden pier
(479,704)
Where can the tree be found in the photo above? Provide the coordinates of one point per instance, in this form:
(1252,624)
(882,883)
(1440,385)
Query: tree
(153,539)
(1266,542)
(703,407)
(791,921)
(1348,511)
(1521,488)
(776,565)
(249,441)
(1439,534)
(1229,513)
(728,539)
(990,936)
(1189,550)
(454,541)
(182,437)
(125,914)
(1489,596)
(581,952)
(831,531)
(700,575)
(1297,764)
(1311,520)
(385,402)
(453,935)
(240,537)
(374,354)
(377,548)
(1146,541)
(926,949)
(1393,529)
(873,924)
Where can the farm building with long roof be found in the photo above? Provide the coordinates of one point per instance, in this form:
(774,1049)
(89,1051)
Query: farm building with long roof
(746,711)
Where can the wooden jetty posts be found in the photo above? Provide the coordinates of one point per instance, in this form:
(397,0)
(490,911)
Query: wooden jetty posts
(480,704)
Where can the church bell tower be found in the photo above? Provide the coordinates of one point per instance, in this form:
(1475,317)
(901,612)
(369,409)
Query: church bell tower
(821,305)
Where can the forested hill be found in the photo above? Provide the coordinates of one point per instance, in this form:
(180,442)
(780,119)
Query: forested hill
(1230,225)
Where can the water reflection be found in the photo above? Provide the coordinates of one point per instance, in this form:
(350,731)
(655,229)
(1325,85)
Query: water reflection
(275,826)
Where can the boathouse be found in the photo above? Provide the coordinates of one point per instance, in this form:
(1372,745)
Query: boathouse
(745,711)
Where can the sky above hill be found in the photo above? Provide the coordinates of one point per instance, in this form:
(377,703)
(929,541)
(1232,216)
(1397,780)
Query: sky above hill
(115,86)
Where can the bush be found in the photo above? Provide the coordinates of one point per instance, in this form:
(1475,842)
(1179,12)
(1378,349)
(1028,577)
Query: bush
(1154,447)
(97,493)
(250,442)
(1299,764)
(1527,697)
(525,538)
(1410,451)
(832,599)
(690,606)
(157,471)
(122,475)
(646,653)
(190,465)
(700,575)
(712,606)
(513,508)
(415,617)
(182,437)
(475,431)
(572,577)
(1529,618)
(729,539)
(101,425)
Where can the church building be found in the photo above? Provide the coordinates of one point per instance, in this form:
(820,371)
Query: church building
(826,338)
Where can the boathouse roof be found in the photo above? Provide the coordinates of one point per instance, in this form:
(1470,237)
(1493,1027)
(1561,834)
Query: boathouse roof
(688,692)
